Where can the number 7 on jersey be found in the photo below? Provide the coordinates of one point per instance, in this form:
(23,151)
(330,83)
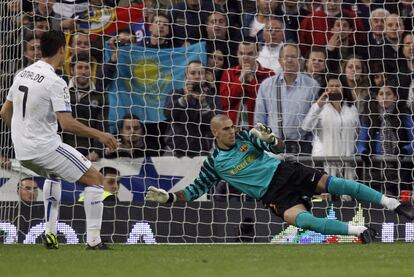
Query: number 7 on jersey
(25,90)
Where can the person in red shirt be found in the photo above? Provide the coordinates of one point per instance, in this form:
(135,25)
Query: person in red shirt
(315,30)
(239,84)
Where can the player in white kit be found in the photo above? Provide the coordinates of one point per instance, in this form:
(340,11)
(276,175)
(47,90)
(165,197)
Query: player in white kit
(36,101)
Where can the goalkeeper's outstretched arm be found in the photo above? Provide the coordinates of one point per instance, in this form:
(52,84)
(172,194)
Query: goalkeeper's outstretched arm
(207,178)
(162,196)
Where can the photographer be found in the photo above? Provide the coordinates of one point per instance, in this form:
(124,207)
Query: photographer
(189,111)
(334,121)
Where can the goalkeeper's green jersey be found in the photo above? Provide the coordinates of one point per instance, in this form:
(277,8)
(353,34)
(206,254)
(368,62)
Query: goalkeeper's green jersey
(246,167)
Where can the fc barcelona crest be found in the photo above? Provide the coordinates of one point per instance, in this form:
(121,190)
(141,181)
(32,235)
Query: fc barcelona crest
(244,148)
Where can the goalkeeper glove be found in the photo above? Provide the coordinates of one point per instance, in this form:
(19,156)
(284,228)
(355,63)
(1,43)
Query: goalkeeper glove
(264,133)
(160,195)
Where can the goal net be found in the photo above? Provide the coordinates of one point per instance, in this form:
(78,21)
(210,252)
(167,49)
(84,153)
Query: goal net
(331,77)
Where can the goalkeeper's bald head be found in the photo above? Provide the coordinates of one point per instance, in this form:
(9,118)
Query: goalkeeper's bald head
(223,130)
(218,120)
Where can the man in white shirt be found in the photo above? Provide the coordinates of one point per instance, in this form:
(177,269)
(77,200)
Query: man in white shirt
(273,37)
(37,100)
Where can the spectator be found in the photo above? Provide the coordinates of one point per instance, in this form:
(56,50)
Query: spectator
(158,37)
(315,30)
(284,100)
(141,29)
(186,19)
(341,44)
(44,8)
(160,33)
(217,37)
(292,14)
(40,26)
(377,23)
(28,190)
(377,76)
(111,179)
(273,41)
(405,9)
(79,42)
(88,106)
(189,111)
(390,54)
(407,64)
(387,130)
(334,121)
(110,183)
(376,37)
(31,50)
(311,6)
(363,9)
(231,9)
(110,67)
(315,66)
(154,131)
(253,23)
(131,140)
(215,69)
(408,53)
(355,79)
(239,84)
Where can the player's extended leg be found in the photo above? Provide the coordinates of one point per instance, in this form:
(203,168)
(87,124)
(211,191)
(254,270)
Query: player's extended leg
(361,192)
(51,198)
(93,208)
(300,217)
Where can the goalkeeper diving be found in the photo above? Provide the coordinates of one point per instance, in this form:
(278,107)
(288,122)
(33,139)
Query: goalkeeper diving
(286,188)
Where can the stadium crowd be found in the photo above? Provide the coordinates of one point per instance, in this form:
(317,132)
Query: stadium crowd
(330,77)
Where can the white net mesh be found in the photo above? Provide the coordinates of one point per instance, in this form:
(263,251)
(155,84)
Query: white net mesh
(155,73)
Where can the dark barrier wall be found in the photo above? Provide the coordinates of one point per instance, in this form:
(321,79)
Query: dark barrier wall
(197,222)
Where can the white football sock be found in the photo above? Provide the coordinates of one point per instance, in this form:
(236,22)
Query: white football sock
(390,203)
(93,211)
(356,230)
(51,198)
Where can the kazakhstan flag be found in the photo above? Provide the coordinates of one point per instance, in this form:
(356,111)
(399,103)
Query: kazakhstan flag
(146,77)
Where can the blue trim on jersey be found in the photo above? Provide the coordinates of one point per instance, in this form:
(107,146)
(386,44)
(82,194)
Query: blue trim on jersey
(97,186)
(72,158)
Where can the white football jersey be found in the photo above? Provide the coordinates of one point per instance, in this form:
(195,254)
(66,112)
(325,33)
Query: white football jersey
(37,94)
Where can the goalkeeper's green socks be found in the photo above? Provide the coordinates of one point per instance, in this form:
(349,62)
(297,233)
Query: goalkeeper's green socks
(51,198)
(361,192)
(305,220)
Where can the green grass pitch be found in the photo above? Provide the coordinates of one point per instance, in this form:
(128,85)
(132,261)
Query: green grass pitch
(396,259)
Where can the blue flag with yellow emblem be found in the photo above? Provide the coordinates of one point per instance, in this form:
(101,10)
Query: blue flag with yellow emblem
(146,77)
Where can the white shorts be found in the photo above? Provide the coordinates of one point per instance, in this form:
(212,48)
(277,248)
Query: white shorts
(65,162)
